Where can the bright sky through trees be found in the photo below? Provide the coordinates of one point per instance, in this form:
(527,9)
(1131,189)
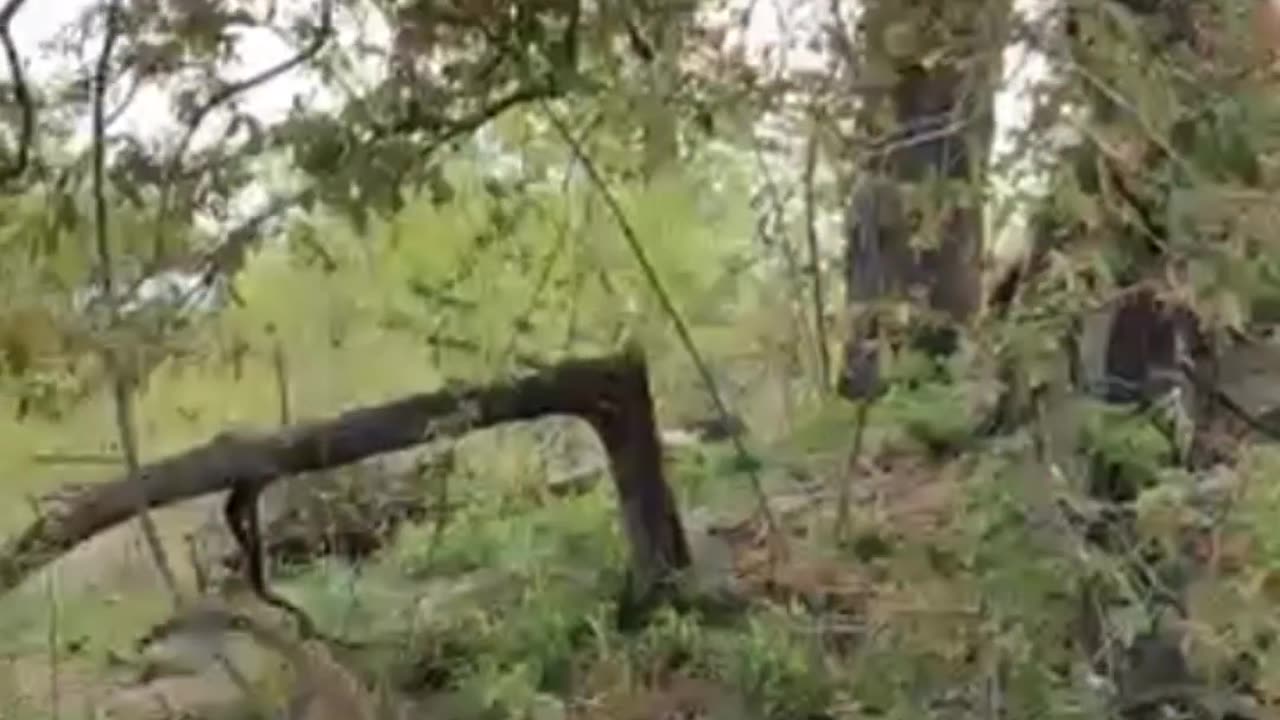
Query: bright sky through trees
(779,37)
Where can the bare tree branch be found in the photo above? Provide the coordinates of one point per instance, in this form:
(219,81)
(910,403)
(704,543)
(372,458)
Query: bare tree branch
(126,102)
(9,10)
(452,128)
(228,256)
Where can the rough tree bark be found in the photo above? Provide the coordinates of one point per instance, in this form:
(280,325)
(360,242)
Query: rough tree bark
(912,224)
(611,394)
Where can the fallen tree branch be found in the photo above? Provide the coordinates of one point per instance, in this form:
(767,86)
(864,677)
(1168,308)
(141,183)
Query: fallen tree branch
(610,393)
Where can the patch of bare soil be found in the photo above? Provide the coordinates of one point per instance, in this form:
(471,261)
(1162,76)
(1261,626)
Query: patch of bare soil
(898,499)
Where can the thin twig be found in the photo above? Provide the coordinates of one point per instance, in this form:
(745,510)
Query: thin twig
(224,95)
(280,364)
(844,499)
(669,308)
(121,384)
(1159,140)
(779,210)
(55,672)
(815,261)
(226,257)
(74,459)
(842,40)
(544,280)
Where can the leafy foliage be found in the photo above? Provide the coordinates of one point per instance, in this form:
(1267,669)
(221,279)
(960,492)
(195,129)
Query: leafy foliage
(434,206)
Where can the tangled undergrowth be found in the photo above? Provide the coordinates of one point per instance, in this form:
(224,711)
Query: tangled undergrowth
(953,592)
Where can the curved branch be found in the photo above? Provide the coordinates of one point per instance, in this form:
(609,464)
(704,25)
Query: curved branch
(10,9)
(610,393)
(21,94)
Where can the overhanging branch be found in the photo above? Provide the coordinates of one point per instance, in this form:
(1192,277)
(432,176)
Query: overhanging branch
(227,256)
(228,93)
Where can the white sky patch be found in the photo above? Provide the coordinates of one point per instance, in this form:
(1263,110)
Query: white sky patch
(781,36)
(778,36)
(1019,176)
(150,113)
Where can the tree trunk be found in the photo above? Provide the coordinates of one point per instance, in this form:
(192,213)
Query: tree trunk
(914,225)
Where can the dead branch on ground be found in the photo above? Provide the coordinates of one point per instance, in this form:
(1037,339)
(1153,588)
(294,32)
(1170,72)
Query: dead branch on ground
(611,393)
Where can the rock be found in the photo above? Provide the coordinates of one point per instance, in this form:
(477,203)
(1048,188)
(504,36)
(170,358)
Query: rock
(547,707)
(577,481)
(209,696)
(713,581)
(184,654)
(1250,374)
(185,675)
(177,655)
